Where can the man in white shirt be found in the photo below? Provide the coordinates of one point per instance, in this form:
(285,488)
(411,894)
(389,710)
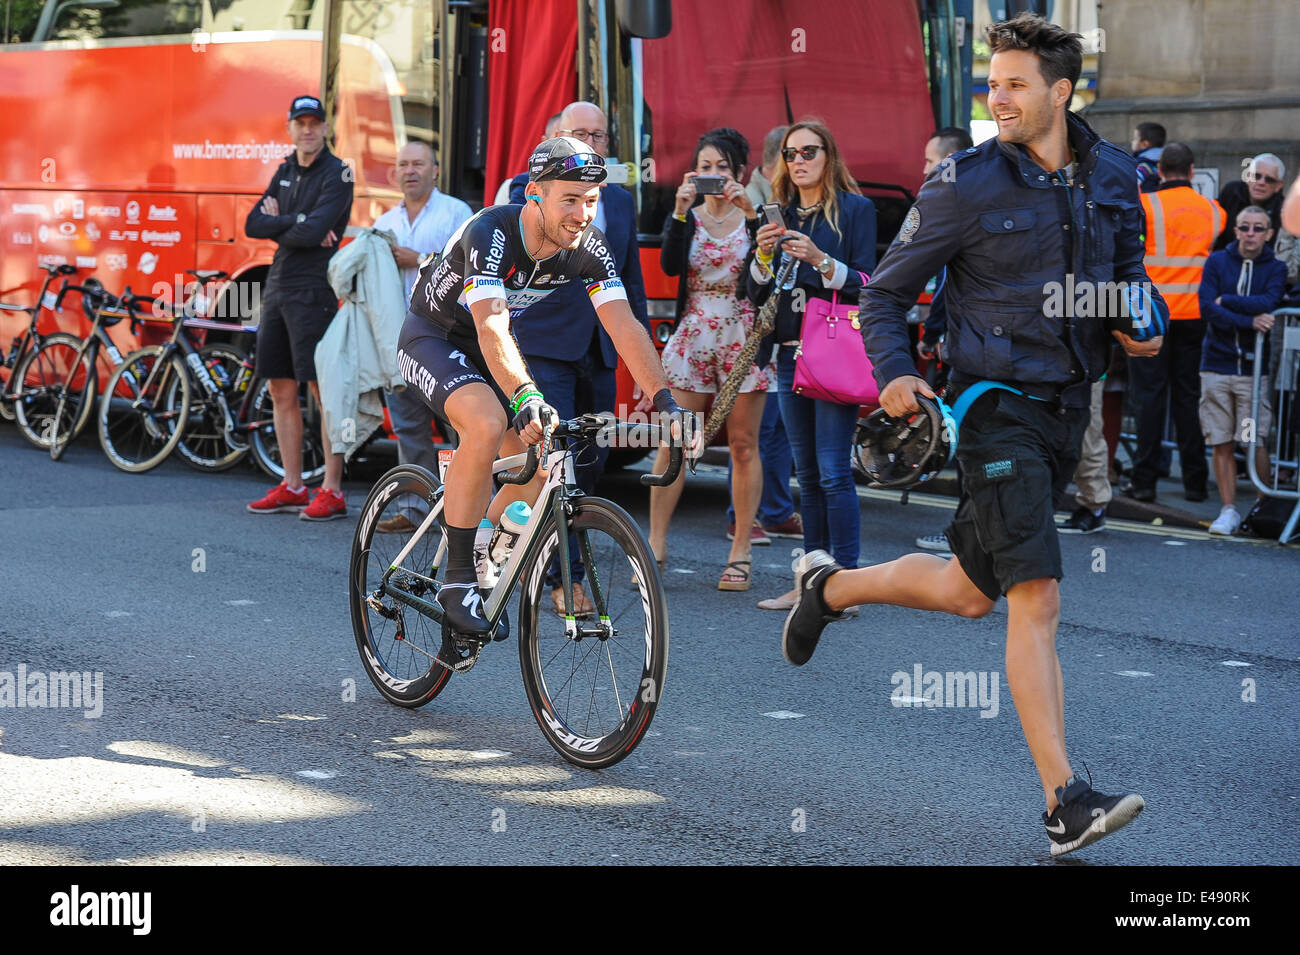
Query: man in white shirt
(422,222)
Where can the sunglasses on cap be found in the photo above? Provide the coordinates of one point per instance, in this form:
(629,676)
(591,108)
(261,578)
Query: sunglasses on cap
(807,152)
(1251,228)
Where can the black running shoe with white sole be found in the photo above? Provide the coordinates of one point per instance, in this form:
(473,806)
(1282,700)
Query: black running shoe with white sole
(1084,520)
(462,608)
(809,616)
(1084,816)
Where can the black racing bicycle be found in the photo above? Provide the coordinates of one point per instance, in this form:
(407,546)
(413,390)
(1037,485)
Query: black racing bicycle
(31,339)
(57,382)
(593,684)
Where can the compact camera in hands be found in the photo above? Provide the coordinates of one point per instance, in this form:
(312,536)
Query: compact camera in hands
(709,185)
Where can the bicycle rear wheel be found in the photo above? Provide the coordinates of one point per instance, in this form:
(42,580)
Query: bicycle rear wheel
(594,696)
(204,443)
(137,429)
(42,376)
(397,643)
(266,444)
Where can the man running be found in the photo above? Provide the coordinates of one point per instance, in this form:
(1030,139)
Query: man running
(457,351)
(1046,202)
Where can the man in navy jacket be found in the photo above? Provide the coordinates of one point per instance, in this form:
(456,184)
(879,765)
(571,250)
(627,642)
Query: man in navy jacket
(572,359)
(1240,287)
(1048,203)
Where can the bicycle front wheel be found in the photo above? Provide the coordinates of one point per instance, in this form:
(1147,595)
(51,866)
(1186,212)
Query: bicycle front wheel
(398,644)
(595,692)
(137,428)
(41,378)
(204,444)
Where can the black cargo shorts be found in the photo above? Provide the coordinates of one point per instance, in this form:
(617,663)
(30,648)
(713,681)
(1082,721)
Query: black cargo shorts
(1015,452)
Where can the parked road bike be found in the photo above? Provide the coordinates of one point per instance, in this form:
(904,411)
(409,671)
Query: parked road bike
(594,683)
(31,339)
(237,418)
(57,383)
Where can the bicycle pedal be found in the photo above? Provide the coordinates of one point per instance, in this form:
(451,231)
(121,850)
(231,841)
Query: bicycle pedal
(460,651)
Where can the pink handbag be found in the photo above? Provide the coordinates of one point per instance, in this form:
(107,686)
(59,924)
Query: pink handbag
(831,363)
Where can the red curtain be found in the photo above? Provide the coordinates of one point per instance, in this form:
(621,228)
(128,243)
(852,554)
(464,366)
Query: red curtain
(526,90)
(859,67)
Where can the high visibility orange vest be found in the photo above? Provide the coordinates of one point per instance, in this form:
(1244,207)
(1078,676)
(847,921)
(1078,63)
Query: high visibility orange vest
(1181,227)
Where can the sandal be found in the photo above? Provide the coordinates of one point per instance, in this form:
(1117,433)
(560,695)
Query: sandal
(582,606)
(738,572)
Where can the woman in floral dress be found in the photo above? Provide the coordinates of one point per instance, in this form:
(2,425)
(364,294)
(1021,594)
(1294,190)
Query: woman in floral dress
(706,241)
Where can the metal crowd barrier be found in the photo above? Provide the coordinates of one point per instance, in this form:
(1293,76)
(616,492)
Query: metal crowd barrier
(1286,387)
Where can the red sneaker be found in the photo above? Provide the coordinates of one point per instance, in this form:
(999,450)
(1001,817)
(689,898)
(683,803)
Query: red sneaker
(278,500)
(757,536)
(327,505)
(791,527)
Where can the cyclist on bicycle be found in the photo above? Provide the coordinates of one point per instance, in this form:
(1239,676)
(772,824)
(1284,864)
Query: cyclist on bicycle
(456,349)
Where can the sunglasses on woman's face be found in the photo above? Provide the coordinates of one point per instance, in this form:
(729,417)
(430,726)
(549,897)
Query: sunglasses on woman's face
(807,152)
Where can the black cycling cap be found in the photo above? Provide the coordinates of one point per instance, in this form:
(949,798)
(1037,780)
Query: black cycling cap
(565,158)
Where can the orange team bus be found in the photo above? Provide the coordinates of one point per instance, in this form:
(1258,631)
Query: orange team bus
(135,135)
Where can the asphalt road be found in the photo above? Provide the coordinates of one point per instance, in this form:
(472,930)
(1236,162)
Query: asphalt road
(227,734)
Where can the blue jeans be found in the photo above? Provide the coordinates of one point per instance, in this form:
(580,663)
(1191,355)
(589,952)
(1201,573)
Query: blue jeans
(776,504)
(821,437)
(573,388)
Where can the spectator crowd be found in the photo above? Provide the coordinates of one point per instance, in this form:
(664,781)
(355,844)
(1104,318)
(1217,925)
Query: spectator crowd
(791,222)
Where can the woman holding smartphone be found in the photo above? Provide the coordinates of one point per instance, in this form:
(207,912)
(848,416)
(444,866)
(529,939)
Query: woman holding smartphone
(706,242)
(830,234)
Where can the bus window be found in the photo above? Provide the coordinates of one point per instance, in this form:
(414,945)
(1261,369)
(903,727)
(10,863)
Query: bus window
(129,18)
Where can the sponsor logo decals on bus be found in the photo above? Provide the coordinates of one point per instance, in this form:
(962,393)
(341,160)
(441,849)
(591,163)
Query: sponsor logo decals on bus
(148,262)
(162,239)
(22,238)
(105,212)
(162,214)
(30,209)
(133,212)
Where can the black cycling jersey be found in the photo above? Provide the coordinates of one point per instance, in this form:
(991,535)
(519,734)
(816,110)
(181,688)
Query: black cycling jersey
(486,259)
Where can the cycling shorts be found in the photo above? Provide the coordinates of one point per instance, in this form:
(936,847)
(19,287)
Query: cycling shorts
(436,367)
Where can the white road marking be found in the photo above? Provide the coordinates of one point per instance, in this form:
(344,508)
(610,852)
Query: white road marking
(315,774)
(1133,673)
(784,715)
(1235,663)
(240,603)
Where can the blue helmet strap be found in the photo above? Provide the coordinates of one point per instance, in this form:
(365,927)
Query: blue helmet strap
(952,417)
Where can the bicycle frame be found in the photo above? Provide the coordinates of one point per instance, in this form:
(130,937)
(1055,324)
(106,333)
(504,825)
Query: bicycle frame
(21,345)
(558,487)
(557,490)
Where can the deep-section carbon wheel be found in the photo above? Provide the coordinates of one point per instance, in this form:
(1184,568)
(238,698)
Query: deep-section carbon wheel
(204,444)
(397,643)
(40,379)
(594,692)
(137,427)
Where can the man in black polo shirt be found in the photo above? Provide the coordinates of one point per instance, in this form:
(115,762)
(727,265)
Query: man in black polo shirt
(1046,205)
(305,209)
